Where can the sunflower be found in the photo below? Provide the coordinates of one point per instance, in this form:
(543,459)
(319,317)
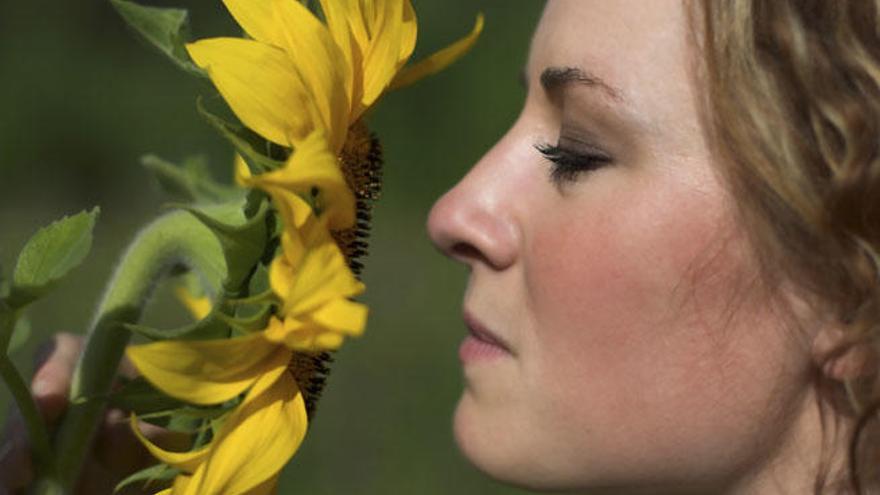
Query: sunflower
(295,74)
(251,446)
(287,79)
(304,84)
(314,286)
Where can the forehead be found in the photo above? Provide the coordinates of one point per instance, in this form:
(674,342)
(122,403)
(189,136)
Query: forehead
(643,48)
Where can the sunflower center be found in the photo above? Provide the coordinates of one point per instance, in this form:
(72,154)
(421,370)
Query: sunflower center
(310,371)
(361,159)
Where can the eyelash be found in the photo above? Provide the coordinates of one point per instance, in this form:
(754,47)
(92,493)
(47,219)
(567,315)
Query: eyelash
(567,164)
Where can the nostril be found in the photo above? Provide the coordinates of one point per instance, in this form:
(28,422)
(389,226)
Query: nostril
(465,252)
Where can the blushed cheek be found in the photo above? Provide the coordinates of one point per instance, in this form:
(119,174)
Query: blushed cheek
(630,299)
(607,276)
(631,333)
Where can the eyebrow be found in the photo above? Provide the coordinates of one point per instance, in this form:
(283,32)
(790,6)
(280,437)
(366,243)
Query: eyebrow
(554,79)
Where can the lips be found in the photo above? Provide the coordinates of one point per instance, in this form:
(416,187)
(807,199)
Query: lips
(483,334)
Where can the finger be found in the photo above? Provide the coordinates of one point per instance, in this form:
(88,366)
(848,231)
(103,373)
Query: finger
(121,452)
(117,448)
(51,383)
(94,479)
(127,369)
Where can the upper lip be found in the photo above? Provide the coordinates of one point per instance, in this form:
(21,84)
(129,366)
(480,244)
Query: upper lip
(480,332)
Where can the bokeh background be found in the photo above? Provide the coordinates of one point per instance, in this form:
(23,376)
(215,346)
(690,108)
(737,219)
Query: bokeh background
(81,99)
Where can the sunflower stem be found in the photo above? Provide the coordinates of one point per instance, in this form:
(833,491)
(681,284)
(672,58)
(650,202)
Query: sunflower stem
(36,429)
(174,240)
(37,433)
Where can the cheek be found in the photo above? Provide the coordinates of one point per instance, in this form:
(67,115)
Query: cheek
(630,301)
(616,270)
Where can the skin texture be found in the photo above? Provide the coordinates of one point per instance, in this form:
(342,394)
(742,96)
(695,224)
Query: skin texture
(643,357)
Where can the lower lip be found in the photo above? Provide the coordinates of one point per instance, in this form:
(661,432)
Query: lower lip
(473,349)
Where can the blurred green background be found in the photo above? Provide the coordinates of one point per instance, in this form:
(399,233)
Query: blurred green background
(81,99)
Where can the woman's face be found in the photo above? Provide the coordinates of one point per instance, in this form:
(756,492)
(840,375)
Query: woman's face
(634,349)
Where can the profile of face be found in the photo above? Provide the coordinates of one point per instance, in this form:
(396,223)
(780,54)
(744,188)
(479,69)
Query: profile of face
(617,339)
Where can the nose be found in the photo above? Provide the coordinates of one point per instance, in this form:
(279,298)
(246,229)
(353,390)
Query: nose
(475,222)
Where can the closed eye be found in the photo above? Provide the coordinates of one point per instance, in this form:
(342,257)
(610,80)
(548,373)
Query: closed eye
(568,164)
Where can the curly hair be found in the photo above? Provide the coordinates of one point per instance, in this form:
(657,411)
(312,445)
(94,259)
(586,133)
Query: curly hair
(794,109)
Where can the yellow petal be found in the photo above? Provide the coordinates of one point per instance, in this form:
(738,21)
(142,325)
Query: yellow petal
(336,14)
(343,316)
(185,461)
(198,307)
(328,340)
(305,336)
(308,337)
(323,276)
(409,35)
(311,166)
(294,211)
(206,371)
(260,85)
(242,171)
(275,330)
(380,62)
(357,19)
(439,60)
(317,58)
(181,482)
(257,19)
(256,441)
(323,330)
(281,275)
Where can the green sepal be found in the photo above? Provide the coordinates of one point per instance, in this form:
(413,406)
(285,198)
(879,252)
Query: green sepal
(141,397)
(49,256)
(191,420)
(189,413)
(259,282)
(190,182)
(164,28)
(148,476)
(243,238)
(265,297)
(252,323)
(209,327)
(247,143)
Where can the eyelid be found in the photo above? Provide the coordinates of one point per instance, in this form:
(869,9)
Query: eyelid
(568,164)
(585,146)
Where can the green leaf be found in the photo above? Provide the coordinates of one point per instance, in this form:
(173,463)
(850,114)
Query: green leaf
(260,155)
(243,238)
(50,255)
(191,182)
(139,396)
(149,476)
(20,335)
(164,28)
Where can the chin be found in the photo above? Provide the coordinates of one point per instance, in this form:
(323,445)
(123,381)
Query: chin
(497,448)
(509,449)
